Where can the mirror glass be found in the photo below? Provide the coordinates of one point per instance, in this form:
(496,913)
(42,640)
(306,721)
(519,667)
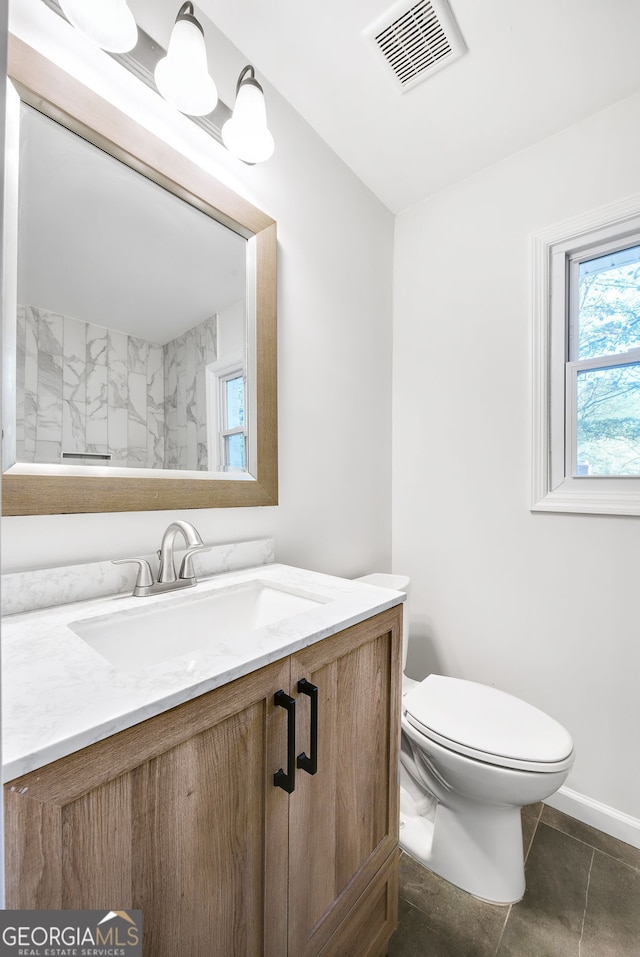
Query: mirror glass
(140,294)
(132,317)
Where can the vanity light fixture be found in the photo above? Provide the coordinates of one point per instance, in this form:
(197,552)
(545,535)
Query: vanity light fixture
(182,76)
(108,23)
(245,134)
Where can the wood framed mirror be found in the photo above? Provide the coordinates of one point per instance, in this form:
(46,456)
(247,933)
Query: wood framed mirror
(49,471)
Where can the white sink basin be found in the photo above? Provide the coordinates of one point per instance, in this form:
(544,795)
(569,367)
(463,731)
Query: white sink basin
(134,639)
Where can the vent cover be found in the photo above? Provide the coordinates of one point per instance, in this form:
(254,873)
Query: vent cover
(416,40)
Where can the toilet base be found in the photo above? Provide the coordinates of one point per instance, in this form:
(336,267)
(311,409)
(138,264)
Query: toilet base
(480,851)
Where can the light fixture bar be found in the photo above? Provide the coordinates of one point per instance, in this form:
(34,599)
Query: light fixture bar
(142,60)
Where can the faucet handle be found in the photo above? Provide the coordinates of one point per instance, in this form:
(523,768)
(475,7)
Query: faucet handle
(145,575)
(186,569)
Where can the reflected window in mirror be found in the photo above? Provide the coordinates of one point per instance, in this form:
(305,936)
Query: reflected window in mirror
(232,428)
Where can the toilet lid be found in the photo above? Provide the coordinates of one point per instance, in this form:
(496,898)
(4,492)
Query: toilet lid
(483,722)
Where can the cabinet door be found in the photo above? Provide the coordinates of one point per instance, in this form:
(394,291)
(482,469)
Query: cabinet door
(177,816)
(343,820)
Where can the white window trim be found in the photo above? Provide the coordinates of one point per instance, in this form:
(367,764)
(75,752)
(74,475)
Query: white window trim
(550,491)
(217,372)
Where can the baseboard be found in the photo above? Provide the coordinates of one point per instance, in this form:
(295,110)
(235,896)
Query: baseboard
(601,816)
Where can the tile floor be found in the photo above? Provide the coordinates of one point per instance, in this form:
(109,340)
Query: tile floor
(582,900)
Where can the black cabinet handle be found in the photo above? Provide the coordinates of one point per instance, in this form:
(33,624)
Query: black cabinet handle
(310,763)
(280,779)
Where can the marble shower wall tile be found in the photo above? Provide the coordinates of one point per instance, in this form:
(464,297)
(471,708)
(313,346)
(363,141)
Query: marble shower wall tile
(117,428)
(207,339)
(96,380)
(137,358)
(185,361)
(137,458)
(47,452)
(117,364)
(29,421)
(97,391)
(49,398)
(170,375)
(191,441)
(74,417)
(31,351)
(118,396)
(97,344)
(75,360)
(202,438)
(82,387)
(85,388)
(207,353)
(50,333)
(155,406)
(137,424)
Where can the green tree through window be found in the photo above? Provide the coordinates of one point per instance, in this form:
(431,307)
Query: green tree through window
(605,341)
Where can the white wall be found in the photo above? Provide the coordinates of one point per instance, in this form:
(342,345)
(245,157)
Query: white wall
(544,606)
(335,262)
(231,332)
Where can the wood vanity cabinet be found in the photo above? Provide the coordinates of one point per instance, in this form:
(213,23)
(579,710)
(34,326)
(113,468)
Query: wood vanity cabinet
(179,816)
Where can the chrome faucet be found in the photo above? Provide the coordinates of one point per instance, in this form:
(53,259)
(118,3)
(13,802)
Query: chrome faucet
(167,578)
(167,570)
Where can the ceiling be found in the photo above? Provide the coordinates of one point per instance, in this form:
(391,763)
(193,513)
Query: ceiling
(531,70)
(132,256)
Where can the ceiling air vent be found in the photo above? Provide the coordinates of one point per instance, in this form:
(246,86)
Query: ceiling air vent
(416,40)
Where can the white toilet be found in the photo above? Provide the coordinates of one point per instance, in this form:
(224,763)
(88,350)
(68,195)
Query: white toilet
(471,758)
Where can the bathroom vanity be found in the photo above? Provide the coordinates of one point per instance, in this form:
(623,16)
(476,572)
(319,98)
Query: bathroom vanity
(231,836)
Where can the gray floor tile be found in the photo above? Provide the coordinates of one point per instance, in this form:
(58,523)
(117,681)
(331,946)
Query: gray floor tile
(582,832)
(548,921)
(581,901)
(530,817)
(416,938)
(532,810)
(612,918)
(458,924)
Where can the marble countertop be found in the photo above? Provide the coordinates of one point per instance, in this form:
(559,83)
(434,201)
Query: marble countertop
(59,695)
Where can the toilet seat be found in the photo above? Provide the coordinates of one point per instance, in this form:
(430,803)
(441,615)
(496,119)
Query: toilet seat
(488,725)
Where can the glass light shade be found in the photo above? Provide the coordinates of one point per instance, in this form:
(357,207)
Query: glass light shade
(108,23)
(246,135)
(182,77)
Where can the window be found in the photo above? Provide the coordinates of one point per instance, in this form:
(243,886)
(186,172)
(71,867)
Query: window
(603,374)
(226,415)
(586,374)
(233,438)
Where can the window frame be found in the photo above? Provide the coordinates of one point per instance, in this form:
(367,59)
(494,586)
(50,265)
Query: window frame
(553,249)
(218,373)
(238,372)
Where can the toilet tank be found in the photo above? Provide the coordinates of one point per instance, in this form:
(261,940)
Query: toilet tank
(397,583)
